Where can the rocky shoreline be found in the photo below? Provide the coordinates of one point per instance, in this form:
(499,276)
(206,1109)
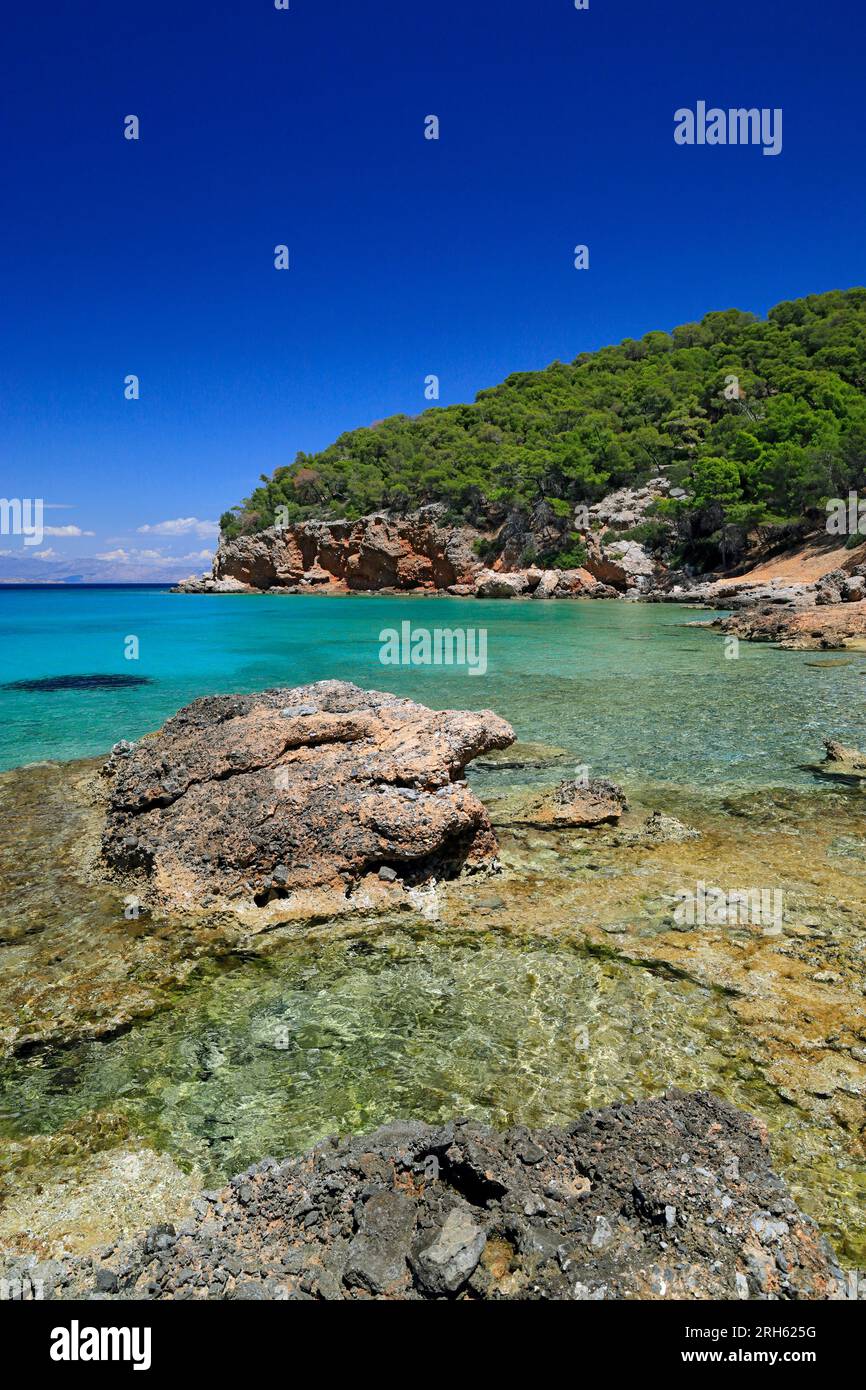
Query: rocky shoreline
(423,554)
(201,826)
(800,625)
(426,552)
(670,1198)
(418,554)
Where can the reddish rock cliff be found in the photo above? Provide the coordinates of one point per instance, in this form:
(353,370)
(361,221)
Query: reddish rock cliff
(376,552)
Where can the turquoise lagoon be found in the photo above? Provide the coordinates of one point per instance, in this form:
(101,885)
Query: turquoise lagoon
(629,688)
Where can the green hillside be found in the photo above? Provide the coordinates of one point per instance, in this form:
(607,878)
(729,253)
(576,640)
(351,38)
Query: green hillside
(787,434)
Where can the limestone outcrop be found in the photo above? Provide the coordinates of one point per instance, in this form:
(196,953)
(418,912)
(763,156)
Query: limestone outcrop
(842,764)
(376,552)
(245,801)
(573,804)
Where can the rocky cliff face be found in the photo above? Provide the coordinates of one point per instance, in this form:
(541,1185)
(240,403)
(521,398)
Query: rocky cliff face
(384,552)
(376,552)
(422,552)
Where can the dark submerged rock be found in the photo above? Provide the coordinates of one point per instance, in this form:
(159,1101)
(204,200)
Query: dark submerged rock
(46,685)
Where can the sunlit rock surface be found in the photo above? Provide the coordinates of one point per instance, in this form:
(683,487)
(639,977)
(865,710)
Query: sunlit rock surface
(324,789)
(672,1198)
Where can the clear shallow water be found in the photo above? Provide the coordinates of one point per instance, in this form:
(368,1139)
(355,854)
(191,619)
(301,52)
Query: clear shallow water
(432,1020)
(345,1036)
(348,1034)
(341,1036)
(627,687)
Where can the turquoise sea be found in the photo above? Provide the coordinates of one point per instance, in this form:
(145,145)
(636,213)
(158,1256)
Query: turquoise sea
(629,688)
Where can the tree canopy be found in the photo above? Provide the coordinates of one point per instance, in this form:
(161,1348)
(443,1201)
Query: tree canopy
(759,419)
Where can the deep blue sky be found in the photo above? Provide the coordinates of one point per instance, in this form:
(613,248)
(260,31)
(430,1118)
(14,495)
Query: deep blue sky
(409,256)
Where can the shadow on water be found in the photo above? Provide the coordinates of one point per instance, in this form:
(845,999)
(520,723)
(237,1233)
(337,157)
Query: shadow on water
(46,684)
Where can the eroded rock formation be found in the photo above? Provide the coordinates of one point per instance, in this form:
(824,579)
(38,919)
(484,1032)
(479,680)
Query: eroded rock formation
(375,552)
(841,763)
(247,800)
(420,552)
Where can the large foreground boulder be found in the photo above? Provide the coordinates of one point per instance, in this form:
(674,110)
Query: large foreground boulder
(247,800)
(670,1198)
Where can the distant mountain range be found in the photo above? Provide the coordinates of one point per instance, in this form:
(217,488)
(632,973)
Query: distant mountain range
(25,569)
